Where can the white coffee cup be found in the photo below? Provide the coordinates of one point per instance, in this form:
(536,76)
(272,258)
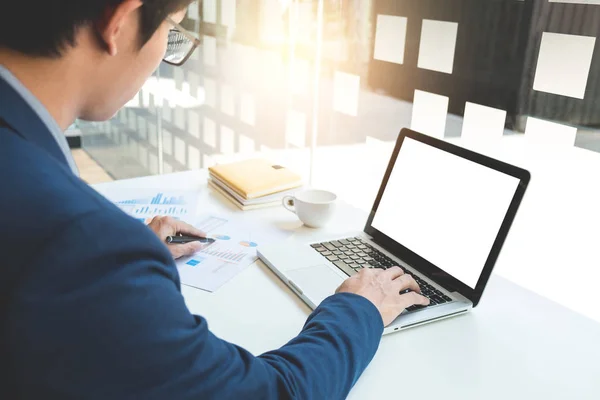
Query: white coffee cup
(313,207)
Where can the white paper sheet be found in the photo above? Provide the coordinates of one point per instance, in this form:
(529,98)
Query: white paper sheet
(234,250)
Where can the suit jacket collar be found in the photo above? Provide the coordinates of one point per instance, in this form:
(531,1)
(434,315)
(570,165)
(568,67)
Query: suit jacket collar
(25,122)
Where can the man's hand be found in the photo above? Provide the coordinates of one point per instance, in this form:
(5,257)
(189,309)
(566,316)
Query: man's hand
(167,226)
(382,288)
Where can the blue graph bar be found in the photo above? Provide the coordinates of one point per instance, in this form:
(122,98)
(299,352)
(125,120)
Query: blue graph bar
(138,201)
(142,210)
(156,199)
(168,200)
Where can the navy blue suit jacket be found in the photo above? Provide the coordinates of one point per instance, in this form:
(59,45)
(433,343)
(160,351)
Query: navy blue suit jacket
(86,315)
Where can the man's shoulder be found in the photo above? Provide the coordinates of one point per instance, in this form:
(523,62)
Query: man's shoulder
(37,187)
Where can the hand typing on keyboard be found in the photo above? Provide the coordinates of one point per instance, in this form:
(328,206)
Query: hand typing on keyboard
(382,288)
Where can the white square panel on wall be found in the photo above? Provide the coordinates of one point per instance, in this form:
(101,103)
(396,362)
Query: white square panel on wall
(207,161)
(482,123)
(151,104)
(210,92)
(295,128)
(152,135)
(438,43)
(548,134)
(429,113)
(564,64)
(179,76)
(209,11)
(227,140)
(193,123)
(209,50)
(209,132)
(390,38)
(228,13)
(247,109)
(246,144)
(167,111)
(300,76)
(180,150)
(142,129)
(143,156)
(180,117)
(132,120)
(167,168)
(167,142)
(153,163)
(133,149)
(227,100)
(346,89)
(144,97)
(193,157)
(194,82)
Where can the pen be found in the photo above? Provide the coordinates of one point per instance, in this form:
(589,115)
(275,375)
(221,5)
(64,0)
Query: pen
(182,239)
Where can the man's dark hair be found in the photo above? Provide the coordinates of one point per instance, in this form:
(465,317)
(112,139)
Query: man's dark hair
(47,27)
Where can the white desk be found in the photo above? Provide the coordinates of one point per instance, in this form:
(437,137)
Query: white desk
(515,345)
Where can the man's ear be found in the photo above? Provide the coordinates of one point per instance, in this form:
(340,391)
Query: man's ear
(111,25)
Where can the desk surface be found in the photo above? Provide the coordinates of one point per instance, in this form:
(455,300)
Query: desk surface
(515,344)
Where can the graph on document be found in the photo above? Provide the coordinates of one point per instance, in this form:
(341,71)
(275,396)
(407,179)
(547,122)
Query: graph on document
(229,254)
(158,199)
(176,204)
(160,210)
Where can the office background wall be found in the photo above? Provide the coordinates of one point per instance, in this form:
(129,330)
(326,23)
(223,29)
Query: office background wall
(324,86)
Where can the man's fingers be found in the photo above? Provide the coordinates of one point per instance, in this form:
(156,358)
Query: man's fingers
(187,229)
(181,250)
(172,226)
(369,271)
(406,282)
(413,298)
(394,272)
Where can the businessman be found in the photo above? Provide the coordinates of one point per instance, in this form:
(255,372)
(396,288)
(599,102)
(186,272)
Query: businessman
(90,302)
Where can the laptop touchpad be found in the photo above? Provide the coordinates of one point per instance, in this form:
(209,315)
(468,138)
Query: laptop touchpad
(317,283)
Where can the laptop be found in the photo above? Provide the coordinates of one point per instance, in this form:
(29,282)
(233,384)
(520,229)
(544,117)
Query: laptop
(442,214)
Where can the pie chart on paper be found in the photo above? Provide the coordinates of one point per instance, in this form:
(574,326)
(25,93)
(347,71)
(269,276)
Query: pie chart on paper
(221,237)
(248,244)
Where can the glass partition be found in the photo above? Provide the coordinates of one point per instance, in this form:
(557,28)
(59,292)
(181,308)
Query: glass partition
(325,86)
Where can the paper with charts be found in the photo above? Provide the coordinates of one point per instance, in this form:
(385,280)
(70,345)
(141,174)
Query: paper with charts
(233,250)
(144,204)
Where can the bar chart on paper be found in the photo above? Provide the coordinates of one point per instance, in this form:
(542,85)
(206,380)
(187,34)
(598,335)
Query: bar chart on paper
(227,253)
(145,204)
(160,210)
(159,198)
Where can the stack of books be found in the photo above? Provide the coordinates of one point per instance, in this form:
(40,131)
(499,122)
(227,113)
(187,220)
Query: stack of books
(255,183)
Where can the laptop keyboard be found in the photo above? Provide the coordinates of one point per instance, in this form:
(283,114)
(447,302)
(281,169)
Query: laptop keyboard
(353,254)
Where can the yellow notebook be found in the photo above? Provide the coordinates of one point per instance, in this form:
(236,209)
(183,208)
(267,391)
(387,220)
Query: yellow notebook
(240,205)
(256,178)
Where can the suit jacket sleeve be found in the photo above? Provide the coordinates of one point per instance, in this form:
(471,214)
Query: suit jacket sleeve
(103,317)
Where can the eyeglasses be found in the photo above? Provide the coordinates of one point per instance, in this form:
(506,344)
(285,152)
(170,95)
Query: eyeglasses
(181,44)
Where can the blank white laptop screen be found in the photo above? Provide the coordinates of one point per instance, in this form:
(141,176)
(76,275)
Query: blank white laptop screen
(445,208)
